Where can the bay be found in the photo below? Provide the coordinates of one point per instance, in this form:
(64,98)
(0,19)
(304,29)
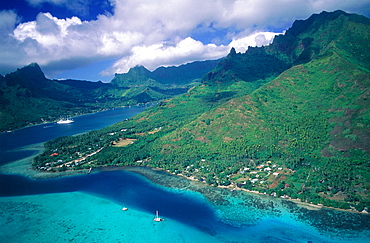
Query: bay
(87,208)
(12,142)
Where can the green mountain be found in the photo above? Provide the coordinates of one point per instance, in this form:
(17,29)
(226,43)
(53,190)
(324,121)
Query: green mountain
(290,119)
(27,97)
(162,83)
(182,75)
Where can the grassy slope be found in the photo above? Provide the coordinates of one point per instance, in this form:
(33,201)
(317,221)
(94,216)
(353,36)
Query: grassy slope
(284,123)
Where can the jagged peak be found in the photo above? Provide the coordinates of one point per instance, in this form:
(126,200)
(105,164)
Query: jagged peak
(31,66)
(232,52)
(34,64)
(27,75)
(305,40)
(139,69)
(300,26)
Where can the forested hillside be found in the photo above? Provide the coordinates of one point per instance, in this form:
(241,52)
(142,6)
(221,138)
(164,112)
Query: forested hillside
(27,97)
(173,76)
(290,119)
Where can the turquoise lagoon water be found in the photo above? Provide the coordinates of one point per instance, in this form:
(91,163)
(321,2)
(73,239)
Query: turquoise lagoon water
(79,217)
(87,208)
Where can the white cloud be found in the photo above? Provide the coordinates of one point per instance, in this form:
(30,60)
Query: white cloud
(186,50)
(256,39)
(155,55)
(10,51)
(59,39)
(8,19)
(152,33)
(52,35)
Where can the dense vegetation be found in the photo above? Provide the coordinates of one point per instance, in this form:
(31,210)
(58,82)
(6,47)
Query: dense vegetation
(290,119)
(27,97)
(183,75)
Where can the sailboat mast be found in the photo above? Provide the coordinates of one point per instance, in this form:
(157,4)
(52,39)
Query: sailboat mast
(157,218)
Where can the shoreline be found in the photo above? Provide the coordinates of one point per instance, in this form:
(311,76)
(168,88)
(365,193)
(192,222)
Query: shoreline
(49,122)
(24,167)
(144,105)
(54,121)
(242,213)
(297,201)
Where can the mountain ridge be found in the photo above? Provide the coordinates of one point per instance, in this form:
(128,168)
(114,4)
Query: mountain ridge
(172,76)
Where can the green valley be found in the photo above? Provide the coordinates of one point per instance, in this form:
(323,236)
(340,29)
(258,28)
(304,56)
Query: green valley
(27,97)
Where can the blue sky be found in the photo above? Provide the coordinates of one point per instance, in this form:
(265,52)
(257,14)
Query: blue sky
(94,39)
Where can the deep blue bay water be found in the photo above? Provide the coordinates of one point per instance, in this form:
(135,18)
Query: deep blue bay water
(87,207)
(11,141)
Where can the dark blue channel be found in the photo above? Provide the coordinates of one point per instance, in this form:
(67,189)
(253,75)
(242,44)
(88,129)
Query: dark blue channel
(125,188)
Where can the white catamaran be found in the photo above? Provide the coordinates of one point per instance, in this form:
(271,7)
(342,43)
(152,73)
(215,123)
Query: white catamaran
(65,121)
(157,218)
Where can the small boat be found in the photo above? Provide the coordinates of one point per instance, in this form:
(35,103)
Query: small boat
(65,121)
(157,218)
(124,209)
